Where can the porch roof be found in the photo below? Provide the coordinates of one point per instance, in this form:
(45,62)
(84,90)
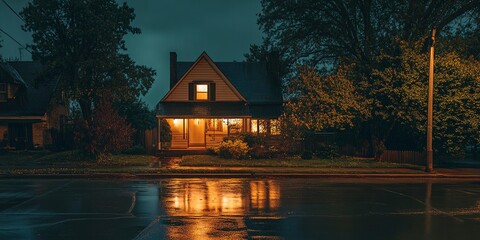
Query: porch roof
(217,109)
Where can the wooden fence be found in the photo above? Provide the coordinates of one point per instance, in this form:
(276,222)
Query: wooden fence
(396,156)
(151,141)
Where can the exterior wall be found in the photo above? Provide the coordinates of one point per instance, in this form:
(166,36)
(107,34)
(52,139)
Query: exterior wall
(38,134)
(202,72)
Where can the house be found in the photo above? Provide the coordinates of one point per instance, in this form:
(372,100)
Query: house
(28,113)
(211,100)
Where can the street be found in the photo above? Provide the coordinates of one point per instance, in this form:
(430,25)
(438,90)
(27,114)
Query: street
(238,209)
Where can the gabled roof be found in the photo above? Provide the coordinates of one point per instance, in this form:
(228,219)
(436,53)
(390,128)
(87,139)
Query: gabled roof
(11,74)
(250,78)
(205,56)
(35,99)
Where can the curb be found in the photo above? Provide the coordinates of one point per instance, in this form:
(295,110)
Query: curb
(412,176)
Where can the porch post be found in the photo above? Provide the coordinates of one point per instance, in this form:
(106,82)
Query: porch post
(159,123)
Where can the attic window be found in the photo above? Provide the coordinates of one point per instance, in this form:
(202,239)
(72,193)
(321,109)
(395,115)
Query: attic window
(201,92)
(3,92)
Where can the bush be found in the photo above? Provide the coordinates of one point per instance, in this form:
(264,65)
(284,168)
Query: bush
(135,150)
(326,151)
(108,132)
(237,149)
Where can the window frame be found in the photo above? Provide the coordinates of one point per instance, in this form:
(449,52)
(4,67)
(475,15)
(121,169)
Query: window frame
(207,92)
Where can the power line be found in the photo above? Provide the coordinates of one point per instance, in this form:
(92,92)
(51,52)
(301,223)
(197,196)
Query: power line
(3,31)
(13,10)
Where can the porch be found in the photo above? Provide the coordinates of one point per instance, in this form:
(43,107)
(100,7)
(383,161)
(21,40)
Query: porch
(202,133)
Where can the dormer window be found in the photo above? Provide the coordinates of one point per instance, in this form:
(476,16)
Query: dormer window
(3,92)
(201,92)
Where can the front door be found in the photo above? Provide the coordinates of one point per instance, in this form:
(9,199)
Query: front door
(196,132)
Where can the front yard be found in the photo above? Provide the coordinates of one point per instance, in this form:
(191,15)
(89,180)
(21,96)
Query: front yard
(70,162)
(342,162)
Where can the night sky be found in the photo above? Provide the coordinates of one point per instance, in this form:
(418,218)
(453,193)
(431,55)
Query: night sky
(224,29)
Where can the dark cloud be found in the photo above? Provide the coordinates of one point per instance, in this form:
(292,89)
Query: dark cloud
(224,29)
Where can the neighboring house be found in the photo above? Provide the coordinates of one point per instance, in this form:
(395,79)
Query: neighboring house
(210,100)
(27,113)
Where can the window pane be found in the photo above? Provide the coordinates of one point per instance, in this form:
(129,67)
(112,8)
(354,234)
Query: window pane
(202,96)
(254,126)
(235,125)
(202,88)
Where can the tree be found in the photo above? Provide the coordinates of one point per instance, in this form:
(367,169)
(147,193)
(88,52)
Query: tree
(81,44)
(137,114)
(365,35)
(324,31)
(457,95)
(318,103)
(109,132)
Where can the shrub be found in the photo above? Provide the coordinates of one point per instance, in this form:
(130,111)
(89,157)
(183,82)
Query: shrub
(108,133)
(326,151)
(135,150)
(237,149)
(211,151)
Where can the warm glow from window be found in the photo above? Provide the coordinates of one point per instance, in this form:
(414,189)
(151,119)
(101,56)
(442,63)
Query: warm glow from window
(201,92)
(274,127)
(262,126)
(254,126)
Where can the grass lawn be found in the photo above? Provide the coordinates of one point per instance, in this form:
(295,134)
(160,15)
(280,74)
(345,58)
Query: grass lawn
(70,162)
(67,159)
(344,162)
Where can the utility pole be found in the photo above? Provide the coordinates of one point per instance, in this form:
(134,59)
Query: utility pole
(429,167)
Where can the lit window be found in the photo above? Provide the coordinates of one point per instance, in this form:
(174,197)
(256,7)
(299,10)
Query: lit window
(201,92)
(274,127)
(254,126)
(3,92)
(214,125)
(262,126)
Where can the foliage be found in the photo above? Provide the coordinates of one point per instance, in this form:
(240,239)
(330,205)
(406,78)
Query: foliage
(165,131)
(257,145)
(109,132)
(250,139)
(137,114)
(318,103)
(456,96)
(324,31)
(236,149)
(135,150)
(81,44)
(362,43)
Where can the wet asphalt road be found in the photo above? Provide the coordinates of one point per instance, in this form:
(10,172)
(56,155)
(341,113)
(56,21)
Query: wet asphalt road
(238,209)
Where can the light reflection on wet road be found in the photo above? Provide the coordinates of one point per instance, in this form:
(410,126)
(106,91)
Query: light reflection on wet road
(238,209)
